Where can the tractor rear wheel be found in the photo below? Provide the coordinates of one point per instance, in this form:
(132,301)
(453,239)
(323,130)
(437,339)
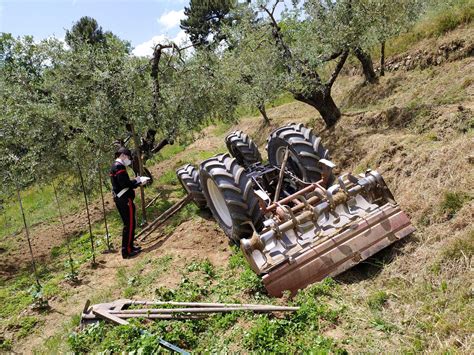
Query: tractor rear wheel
(188,176)
(305,151)
(230,196)
(242,148)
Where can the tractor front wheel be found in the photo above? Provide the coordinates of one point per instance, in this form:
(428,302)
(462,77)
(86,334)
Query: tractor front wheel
(305,151)
(243,148)
(188,176)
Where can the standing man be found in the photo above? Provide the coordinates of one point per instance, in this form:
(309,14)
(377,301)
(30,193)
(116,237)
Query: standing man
(122,190)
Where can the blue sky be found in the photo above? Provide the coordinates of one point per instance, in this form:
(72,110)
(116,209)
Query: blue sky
(142,22)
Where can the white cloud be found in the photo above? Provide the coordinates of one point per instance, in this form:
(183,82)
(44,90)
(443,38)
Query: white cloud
(171,19)
(145,49)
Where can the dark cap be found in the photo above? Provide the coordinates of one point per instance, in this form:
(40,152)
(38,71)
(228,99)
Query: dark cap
(123,150)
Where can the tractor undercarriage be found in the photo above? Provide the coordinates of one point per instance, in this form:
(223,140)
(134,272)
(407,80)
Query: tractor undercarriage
(296,223)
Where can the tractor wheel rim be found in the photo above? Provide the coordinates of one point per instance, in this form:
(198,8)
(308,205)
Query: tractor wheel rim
(219,203)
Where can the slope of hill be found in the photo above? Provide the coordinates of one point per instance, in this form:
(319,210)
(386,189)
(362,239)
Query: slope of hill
(416,127)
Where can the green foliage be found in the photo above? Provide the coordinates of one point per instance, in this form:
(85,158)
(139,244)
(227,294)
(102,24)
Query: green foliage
(38,202)
(438,18)
(377,300)
(85,31)
(84,341)
(452,202)
(444,16)
(203,282)
(205,18)
(168,178)
(391,18)
(5,344)
(205,266)
(26,325)
(266,335)
(382,325)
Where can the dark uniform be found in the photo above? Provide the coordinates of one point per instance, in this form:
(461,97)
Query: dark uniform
(122,189)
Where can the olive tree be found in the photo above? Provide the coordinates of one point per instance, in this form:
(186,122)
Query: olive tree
(252,66)
(388,19)
(29,130)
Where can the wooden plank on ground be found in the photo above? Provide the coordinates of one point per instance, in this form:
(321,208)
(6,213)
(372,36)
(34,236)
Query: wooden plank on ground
(110,317)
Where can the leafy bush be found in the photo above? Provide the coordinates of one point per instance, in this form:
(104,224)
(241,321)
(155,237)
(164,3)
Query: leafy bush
(266,335)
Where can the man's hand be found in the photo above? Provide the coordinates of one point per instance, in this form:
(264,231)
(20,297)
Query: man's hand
(144,180)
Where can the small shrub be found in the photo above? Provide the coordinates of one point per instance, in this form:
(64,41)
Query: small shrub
(5,344)
(382,325)
(425,219)
(26,325)
(226,320)
(204,266)
(452,202)
(55,251)
(164,294)
(237,259)
(265,335)
(377,300)
(251,282)
(82,342)
(184,334)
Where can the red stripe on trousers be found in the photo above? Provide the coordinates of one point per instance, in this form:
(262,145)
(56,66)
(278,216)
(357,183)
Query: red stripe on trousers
(130,231)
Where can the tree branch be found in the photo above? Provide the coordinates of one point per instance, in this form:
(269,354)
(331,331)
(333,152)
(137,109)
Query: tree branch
(331,56)
(337,70)
(276,31)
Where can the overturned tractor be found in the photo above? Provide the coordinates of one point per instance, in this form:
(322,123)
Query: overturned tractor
(295,222)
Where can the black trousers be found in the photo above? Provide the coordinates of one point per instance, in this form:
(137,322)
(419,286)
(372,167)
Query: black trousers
(126,208)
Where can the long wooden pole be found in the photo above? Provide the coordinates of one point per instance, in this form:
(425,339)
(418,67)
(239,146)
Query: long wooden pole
(107,237)
(163,217)
(27,231)
(201,304)
(68,242)
(88,214)
(206,310)
(140,166)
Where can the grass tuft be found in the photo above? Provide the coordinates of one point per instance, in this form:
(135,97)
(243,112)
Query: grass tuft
(377,300)
(452,202)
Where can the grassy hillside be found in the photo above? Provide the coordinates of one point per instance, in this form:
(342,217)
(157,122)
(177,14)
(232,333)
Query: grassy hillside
(415,127)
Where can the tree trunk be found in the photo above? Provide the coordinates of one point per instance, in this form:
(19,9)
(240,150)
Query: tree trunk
(160,146)
(367,65)
(325,105)
(142,173)
(382,58)
(261,108)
